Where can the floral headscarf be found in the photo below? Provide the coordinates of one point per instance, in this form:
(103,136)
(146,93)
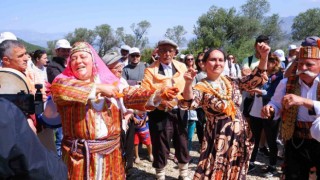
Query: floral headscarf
(99,68)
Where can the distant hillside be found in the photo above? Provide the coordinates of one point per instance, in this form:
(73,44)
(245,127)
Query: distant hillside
(287,23)
(35,37)
(30,47)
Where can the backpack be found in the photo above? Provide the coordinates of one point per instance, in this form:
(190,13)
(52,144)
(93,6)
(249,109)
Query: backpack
(250,60)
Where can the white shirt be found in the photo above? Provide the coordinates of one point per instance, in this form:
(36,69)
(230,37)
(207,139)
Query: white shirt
(167,69)
(303,115)
(233,71)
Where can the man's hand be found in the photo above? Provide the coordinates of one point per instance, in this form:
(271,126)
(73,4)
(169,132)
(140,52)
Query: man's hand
(267,112)
(290,100)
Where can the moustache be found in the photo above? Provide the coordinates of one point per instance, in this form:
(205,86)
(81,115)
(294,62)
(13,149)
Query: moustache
(307,72)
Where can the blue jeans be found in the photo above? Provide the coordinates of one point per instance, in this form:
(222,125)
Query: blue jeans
(191,127)
(58,137)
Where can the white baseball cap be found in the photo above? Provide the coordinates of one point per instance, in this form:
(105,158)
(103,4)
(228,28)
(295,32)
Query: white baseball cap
(134,50)
(280,54)
(7,36)
(125,47)
(291,47)
(62,43)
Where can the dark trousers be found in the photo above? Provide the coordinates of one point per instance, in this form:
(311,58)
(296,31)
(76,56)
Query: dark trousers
(164,127)
(271,131)
(200,124)
(300,156)
(129,144)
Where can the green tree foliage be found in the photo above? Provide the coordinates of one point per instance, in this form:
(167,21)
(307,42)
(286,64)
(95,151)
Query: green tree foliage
(234,31)
(105,39)
(81,34)
(140,31)
(176,34)
(306,24)
(30,47)
(51,45)
(271,28)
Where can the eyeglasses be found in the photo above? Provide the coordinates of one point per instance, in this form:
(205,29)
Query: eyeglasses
(190,59)
(166,50)
(135,55)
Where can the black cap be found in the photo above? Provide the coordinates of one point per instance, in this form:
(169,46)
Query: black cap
(310,41)
(262,38)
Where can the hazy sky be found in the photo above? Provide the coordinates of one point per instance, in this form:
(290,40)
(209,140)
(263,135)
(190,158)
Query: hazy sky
(51,16)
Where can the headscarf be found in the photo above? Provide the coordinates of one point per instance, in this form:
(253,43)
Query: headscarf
(99,68)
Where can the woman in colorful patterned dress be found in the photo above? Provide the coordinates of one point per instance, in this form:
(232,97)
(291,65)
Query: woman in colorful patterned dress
(227,143)
(87,98)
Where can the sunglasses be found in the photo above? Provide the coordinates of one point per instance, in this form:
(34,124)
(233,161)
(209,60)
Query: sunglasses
(135,55)
(200,60)
(190,59)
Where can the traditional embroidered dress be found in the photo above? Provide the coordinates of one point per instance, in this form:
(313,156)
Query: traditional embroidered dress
(227,143)
(91,127)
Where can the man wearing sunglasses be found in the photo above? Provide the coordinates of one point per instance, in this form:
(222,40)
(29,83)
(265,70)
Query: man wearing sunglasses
(134,71)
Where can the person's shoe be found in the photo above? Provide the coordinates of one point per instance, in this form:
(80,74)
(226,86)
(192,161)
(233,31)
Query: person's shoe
(137,160)
(160,174)
(150,158)
(264,151)
(252,167)
(269,172)
(183,178)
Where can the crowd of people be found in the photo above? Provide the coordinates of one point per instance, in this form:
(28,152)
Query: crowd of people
(109,105)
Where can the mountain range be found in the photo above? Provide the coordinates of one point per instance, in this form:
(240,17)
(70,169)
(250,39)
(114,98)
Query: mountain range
(41,39)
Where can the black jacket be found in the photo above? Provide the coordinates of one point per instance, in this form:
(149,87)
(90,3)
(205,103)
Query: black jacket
(22,156)
(55,67)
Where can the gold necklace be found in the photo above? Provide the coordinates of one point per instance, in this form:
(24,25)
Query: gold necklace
(228,94)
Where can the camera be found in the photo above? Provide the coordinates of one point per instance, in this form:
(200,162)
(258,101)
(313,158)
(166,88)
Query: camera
(28,103)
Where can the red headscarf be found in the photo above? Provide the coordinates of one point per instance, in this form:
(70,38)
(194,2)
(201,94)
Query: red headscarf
(99,68)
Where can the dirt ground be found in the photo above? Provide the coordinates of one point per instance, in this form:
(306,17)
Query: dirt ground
(145,171)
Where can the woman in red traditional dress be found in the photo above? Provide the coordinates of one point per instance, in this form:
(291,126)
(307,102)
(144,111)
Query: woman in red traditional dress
(87,98)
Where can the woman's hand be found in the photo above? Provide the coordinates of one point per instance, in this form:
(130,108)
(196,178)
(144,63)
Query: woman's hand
(107,90)
(263,50)
(190,75)
(255,90)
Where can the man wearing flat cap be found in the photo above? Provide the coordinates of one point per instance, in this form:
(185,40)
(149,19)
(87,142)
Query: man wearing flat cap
(165,122)
(297,100)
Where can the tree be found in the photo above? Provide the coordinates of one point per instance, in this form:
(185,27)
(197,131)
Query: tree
(234,31)
(127,39)
(176,34)
(256,9)
(106,39)
(81,34)
(306,24)
(272,29)
(140,31)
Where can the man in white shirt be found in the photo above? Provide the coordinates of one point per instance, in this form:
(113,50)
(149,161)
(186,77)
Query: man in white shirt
(165,122)
(298,99)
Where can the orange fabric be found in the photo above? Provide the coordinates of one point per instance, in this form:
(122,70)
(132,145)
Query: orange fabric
(155,81)
(230,110)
